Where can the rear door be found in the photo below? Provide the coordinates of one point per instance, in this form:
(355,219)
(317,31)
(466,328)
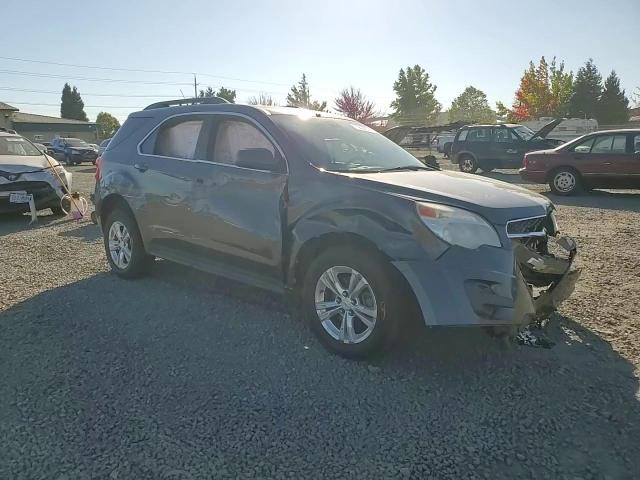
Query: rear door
(164,171)
(238,212)
(596,159)
(480,144)
(626,163)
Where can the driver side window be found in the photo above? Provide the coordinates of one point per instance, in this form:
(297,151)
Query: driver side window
(232,136)
(584,146)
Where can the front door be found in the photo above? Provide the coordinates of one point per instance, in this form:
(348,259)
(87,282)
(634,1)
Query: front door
(507,149)
(238,211)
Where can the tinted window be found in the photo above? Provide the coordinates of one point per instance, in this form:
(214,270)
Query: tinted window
(179,139)
(462,136)
(479,135)
(636,143)
(75,142)
(502,135)
(233,136)
(525,133)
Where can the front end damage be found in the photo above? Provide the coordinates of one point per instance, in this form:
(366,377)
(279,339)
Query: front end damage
(546,278)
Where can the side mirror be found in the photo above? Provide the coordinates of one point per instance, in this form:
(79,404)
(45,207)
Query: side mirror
(259,159)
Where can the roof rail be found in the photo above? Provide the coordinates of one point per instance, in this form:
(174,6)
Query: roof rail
(8,130)
(187,101)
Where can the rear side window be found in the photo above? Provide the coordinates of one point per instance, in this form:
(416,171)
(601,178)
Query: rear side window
(233,136)
(479,135)
(462,136)
(179,140)
(619,144)
(610,144)
(635,144)
(502,135)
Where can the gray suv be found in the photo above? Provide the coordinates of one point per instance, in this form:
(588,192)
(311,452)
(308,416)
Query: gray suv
(320,206)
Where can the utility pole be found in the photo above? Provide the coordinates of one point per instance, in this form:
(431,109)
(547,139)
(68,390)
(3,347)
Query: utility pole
(195,87)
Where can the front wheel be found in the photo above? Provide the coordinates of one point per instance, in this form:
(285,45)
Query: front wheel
(350,299)
(123,245)
(468,164)
(565,181)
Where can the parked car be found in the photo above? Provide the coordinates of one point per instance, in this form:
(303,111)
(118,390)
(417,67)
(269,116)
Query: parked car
(103,145)
(444,141)
(25,170)
(487,147)
(73,151)
(606,159)
(323,207)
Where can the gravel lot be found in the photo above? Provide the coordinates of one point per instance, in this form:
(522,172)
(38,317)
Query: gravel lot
(182,375)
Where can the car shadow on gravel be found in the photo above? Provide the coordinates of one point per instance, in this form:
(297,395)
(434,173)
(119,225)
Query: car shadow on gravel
(86,230)
(185,375)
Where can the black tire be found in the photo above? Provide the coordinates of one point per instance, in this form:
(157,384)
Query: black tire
(467,163)
(139,261)
(383,284)
(565,181)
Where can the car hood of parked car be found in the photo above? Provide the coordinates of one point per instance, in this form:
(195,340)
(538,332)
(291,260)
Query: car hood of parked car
(546,130)
(496,200)
(21,163)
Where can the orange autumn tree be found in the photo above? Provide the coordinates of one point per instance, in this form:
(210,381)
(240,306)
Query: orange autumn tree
(544,91)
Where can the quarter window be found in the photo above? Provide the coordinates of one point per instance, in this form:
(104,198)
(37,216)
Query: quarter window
(479,135)
(233,136)
(636,144)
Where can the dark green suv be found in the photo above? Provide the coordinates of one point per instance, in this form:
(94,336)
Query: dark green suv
(487,147)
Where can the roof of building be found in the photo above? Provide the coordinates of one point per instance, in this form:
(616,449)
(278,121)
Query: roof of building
(20,117)
(6,106)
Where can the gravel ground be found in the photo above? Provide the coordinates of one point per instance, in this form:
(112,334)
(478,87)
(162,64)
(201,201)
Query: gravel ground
(182,375)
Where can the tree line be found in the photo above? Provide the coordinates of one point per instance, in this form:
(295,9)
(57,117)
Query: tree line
(545,90)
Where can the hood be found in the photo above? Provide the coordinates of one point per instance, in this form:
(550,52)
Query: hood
(495,200)
(546,129)
(21,163)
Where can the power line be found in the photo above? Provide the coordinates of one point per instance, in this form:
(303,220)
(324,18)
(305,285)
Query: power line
(55,92)
(86,106)
(138,70)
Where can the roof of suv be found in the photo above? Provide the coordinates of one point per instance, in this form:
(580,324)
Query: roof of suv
(233,107)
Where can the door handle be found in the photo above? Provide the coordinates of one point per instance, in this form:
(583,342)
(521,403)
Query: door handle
(142,167)
(607,163)
(511,150)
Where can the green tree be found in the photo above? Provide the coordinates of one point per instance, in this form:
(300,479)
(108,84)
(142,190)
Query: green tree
(415,102)
(300,96)
(71,104)
(587,89)
(471,106)
(262,99)
(352,103)
(227,94)
(561,89)
(613,107)
(107,125)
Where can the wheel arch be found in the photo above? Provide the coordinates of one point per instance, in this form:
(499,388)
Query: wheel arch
(110,202)
(551,173)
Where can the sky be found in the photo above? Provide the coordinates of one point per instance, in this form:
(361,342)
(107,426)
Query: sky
(265,46)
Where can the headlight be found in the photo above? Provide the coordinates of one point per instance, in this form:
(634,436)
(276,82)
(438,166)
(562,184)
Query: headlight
(457,226)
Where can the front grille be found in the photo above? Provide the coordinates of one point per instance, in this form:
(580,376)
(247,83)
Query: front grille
(35,188)
(531,227)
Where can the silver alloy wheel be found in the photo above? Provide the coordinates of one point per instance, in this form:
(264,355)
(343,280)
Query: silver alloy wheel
(120,245)
(564,181)
(467,164)
(345,304)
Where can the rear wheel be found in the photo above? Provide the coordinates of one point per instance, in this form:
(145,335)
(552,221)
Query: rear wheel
(467,164)
(123,245)
(351,301)
(565,181)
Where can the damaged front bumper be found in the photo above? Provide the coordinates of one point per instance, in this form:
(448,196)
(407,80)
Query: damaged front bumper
(545,279)
(44,185)
(498,287)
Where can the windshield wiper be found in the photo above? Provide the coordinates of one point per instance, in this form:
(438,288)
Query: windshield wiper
(412,168)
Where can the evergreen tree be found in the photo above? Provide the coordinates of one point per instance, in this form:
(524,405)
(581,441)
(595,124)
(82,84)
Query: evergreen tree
(300,96)
(415,101)
(587,89)
(227,94)
(71,104)
(613,108)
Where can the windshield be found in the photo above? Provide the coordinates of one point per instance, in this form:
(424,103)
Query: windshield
(342,145)
(17,146)
(75,142)
(525,133)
